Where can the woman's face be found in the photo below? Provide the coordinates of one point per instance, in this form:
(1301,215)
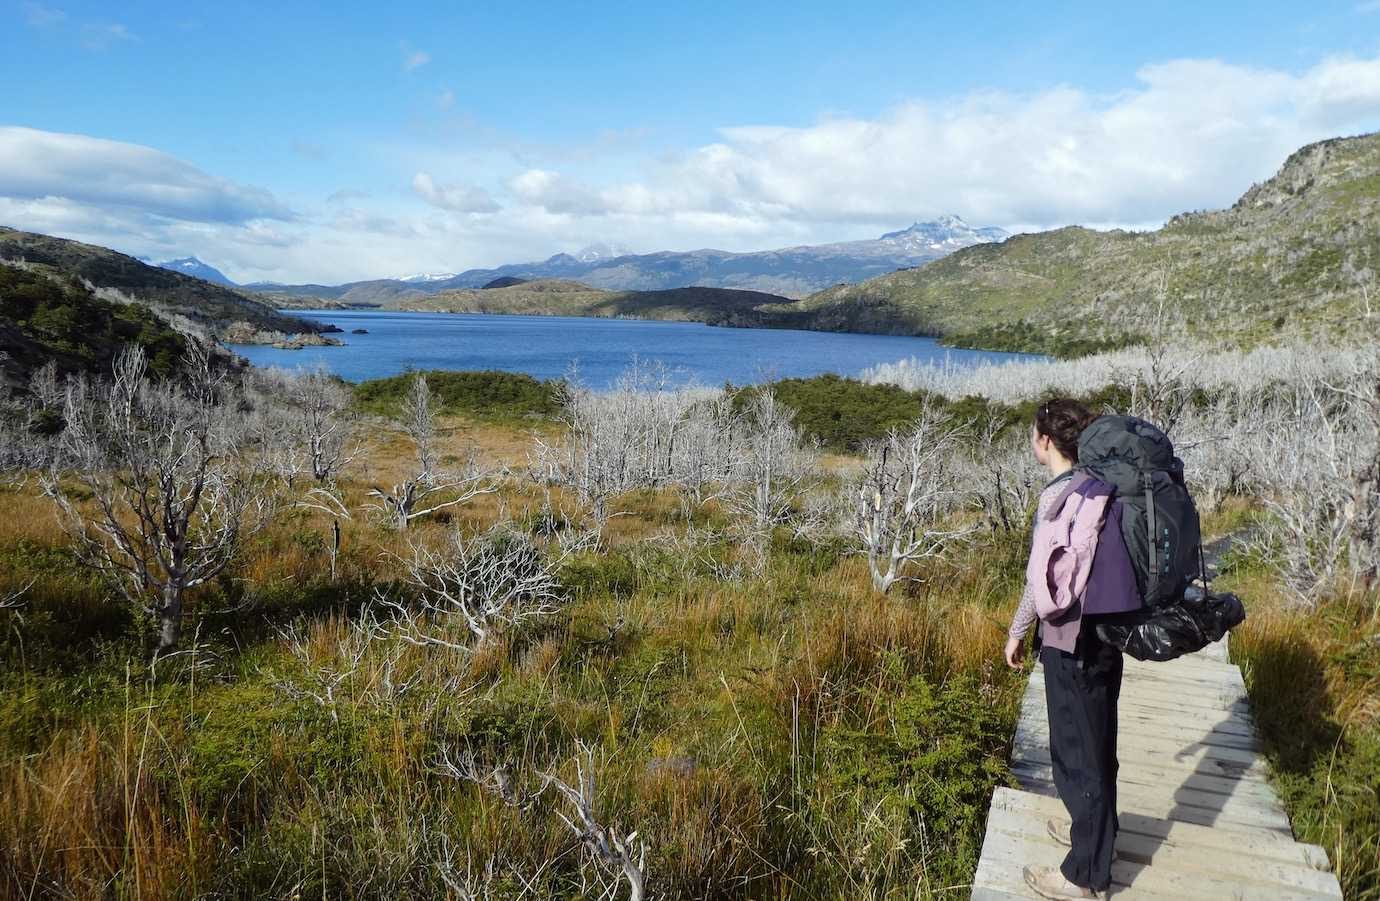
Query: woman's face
(1041,445)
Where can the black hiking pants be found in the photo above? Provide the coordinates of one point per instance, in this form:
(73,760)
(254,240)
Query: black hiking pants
(1081,691)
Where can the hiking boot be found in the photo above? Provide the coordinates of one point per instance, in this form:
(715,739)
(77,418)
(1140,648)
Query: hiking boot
(1060,830)
(1048,882)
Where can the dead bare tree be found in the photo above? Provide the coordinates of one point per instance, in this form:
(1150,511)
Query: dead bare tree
(772,466)
(1362,394)
(1320,472)
(496,779)
(14,600)
(428,489)
(1161,393)
(499,578)
(170,500)
(904,495)
(323,404)
(621,854)
(1002,475)
(320,682)
(595,456)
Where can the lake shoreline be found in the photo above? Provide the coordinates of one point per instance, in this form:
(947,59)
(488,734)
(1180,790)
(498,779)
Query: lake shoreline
(601,347)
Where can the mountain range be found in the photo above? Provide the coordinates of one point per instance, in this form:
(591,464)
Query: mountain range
(790,272)
(1295,257)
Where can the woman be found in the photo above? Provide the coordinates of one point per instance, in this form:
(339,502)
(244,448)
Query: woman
(1082,682)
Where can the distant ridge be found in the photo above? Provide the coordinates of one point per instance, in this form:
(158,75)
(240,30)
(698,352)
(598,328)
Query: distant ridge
(563,297)
(790,272)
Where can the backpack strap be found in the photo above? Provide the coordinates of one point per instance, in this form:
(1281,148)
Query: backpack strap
(1147,481)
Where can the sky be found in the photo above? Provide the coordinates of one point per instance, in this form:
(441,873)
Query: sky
(299,142)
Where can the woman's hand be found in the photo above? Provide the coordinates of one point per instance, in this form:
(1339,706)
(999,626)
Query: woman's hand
(1015,652)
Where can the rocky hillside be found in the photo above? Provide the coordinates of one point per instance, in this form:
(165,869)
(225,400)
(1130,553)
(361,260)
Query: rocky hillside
(1295,256)
(114,276)
(562,297)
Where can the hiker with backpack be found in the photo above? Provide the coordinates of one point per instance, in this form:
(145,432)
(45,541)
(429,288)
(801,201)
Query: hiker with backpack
(1115,546)
(1082,673)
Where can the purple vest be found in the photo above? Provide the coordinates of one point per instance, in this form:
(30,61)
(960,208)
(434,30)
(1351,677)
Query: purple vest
(1112,582)
(1111,586)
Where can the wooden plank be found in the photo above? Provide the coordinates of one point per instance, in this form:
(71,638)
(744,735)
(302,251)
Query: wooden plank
(1006,855)
(1133,723)
(1226,673)
(1216,862)
(1205,700)
(1198,816)
(1174,754)
(1258,844)
(1236,719)
(1197,805)
(1236,815)
(1034,710)
(1133,773)
(1184,666)
(1212,862)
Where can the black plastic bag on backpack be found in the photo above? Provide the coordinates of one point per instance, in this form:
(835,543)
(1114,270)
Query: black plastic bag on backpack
(1171,630)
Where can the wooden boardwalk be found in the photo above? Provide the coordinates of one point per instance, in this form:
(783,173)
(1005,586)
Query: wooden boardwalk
(1198,819)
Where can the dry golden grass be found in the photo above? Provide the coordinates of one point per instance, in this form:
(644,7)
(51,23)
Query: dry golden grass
(343,797)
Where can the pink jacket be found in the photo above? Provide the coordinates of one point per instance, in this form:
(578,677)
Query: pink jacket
(1061,556)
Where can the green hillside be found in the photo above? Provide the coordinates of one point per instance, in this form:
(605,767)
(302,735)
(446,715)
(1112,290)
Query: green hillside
(213,307)
(43,319)
(1295,256)
(561,297)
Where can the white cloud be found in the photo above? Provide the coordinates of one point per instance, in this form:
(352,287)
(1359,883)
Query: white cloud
(413,59)
(456,198)
(1191,134)
(40,16)
(557,194)
(96,36)
(112,175)
(446,99)
(1188,134)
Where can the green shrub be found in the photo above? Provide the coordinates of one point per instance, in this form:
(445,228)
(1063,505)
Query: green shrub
(488,394)
(932,765)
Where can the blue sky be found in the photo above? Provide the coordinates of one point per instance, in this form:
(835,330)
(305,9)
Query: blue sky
(296,143)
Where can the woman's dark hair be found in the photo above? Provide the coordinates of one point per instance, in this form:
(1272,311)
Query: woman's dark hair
(1062,420)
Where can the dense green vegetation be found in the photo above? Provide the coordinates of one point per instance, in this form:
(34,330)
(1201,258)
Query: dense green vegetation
(488,394)
(844,415)
(167,293)
(44,319)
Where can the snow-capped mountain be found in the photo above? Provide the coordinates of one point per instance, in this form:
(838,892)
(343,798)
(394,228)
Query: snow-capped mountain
(598,252)
(788,271)
(947,233)
(195,268)
(423,277)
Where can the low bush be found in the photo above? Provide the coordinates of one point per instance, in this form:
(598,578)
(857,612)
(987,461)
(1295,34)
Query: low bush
(486,394)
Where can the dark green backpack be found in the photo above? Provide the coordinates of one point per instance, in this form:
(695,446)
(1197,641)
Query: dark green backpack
(1158,519)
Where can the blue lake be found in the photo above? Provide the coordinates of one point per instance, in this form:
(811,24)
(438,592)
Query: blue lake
(548,346)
